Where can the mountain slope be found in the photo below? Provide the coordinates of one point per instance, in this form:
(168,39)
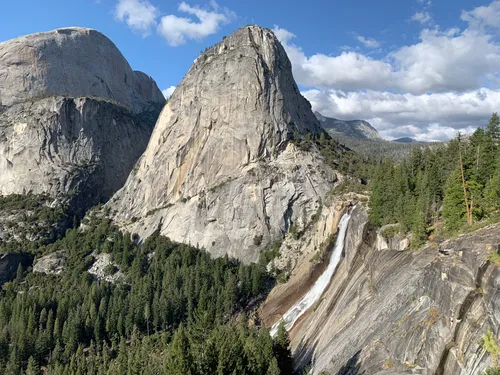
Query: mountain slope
(358,129)
(220,170)
(391,311)
(405,140)
(74,117)
(72,62)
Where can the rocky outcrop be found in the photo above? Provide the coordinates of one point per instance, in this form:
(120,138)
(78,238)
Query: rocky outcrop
(9,263)
(389,237)
(73,62)
(220,170)
(389,311)
(52,263)
(104,268)
(74,117)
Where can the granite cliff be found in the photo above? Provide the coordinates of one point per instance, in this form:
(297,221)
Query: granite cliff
(221,170)
(74,117)
(388,311)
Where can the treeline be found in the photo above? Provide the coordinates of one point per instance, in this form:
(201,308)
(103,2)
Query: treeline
(457,184)
(173,312)
(338,156)
(379,148)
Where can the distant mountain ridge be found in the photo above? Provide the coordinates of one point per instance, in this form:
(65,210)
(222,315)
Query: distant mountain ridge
(405,140)
(358,129)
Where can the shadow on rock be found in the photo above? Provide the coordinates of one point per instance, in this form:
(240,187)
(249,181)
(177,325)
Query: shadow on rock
(303,357)
(352,366)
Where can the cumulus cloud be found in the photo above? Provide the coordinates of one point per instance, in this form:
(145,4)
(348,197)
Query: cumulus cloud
(483,16)
(139,15)
(177,30)
(422,17)
(283,35)
(168,92)
(437,116)
(350,70)
(443,60)
(368,42)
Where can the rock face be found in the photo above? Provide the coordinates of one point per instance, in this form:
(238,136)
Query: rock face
(74,116)
(358,129)
(220,170)
(389,311)
(390,238)
(72,62)
(52,263)
(105,269)
(79,146)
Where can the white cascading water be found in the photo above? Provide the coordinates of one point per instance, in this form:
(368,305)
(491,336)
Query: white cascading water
(296,311)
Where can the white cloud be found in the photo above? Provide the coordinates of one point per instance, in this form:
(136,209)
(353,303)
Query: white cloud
(350,70)
(437,116)
(169,91)
(368,42)
(283,35)
(177,30)
(140,15)
(483,16)
(443,60)
(422,17)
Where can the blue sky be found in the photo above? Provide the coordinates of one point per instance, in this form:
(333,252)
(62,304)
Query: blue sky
(419,68)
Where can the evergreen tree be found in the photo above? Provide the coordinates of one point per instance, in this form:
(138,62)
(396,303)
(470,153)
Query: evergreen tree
(493,127)
(180,359)
(453,205)
(491,200)
(282,350)
(32,368)
(273,367)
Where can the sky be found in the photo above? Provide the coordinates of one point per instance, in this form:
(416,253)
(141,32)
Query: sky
(413,68)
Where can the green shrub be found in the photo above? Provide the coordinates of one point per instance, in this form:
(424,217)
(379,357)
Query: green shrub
(257,240)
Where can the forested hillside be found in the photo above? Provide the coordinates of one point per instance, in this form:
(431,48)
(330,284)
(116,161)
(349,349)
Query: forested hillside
(175,310)
(441,189)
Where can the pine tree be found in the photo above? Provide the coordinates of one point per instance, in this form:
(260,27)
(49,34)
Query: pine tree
(493,127)
(282,350)
(19,273)
(180,359)
(491,200)
(273,367)
(453,205)
(32,368)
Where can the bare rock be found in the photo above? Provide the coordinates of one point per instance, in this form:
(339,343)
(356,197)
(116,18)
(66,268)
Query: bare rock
(73,62)
(105,269)
(220,171)
(397,312)
(80,147)
(52,263)
(389,237)
(74,117)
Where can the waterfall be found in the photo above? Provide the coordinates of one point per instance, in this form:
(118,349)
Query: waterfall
(314,294)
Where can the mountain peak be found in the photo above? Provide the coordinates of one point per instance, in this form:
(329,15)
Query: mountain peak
(222,147)
(359,129)
(72,61)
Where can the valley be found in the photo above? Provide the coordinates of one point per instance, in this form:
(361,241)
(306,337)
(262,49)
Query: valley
(230,229)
